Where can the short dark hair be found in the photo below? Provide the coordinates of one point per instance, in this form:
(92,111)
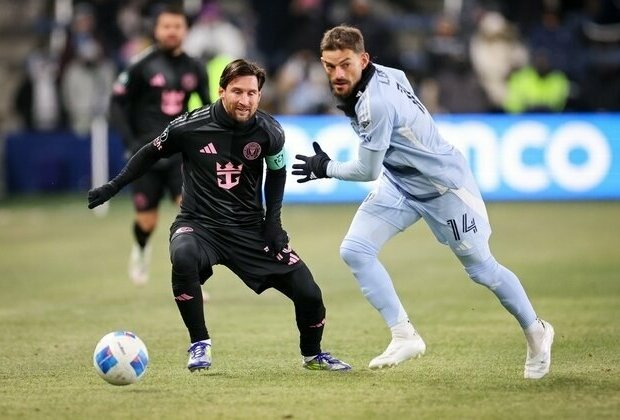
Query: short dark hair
(241,67)
(343,37)
(171,9)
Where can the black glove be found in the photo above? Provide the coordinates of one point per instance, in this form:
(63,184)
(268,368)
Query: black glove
(98,196)
(277,246)
(276,238)
(313,167)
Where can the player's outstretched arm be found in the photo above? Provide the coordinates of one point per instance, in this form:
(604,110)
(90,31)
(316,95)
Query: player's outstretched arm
(135,168)
(367,167)
(312,167)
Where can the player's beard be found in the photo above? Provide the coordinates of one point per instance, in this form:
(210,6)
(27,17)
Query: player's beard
(244,115)
(171,46)
(343,94)
(239,114)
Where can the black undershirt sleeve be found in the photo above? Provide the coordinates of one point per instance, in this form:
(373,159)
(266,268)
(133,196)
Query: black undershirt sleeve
(274,192)
(137,166)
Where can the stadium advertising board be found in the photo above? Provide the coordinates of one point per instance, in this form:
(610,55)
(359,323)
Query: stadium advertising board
(533,157)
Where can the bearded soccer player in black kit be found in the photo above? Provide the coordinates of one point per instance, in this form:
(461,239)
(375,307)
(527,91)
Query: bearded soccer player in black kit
(160,85)
(222,220)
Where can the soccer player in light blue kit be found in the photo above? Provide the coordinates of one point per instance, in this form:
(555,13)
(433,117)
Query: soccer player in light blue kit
(421,177)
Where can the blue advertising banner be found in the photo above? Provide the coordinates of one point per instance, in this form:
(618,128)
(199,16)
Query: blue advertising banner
(526,157)
(531,157)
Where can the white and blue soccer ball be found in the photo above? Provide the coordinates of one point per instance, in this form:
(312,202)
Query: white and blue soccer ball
(121,358)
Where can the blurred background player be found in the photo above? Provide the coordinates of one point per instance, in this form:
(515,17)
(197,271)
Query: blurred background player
(156,88)
(222,220)
(423,177)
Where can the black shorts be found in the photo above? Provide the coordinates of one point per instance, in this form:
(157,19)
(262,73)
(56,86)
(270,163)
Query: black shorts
(239,249)
(149,189)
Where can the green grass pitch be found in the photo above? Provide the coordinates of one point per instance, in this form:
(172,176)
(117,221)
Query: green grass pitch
(63,285)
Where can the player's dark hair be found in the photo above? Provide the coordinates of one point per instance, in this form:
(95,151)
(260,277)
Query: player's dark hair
(343,37)
(241,67)
(171,9)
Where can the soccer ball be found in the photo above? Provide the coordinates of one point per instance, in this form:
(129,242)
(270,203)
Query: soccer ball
(121,358)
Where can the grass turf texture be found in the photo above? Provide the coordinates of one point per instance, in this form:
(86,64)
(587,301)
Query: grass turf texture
(63,285)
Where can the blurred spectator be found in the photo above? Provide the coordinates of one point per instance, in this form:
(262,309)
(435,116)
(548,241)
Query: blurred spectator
(537,87)
(496,51)
(600,88)
(83,29)
(85,86)
(213,35)
(459,90)
(452,82)
(307,22)
(271,29)
(378,38)
(214,67)
(135,34)
(473,45)
(445,40)
(552,34)
(301,87)
(287,26)
(215,41)
(37,99)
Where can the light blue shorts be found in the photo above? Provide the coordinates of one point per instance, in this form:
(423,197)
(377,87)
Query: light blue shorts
(458,218)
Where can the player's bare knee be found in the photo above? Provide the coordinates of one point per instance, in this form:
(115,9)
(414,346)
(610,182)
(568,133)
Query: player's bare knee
(147,220)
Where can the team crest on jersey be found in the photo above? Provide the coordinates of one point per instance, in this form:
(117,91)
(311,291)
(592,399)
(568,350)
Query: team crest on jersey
(189,81)
(251,150)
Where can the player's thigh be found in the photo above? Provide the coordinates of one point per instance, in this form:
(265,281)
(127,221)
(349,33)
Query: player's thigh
(246,257)
(459,221)
(190,244)
(382,215)
(147,191)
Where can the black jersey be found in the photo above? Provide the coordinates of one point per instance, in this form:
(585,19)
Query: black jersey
(153,91)
(222,164)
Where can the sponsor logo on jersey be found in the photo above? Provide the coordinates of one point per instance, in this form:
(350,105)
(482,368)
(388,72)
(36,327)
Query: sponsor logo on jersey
(158,80)
(228,175)
(209,149)
(172,102)
(251,150)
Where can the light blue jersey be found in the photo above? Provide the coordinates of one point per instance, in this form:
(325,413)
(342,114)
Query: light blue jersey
(390,117)
(420,176)
(424,177)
